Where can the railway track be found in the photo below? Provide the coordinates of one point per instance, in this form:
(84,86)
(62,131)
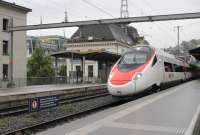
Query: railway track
(82,104)
(70,98)
(47,123)
(87,99)
(94,99)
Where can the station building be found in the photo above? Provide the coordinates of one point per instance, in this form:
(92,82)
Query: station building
(112,38)
(18,13)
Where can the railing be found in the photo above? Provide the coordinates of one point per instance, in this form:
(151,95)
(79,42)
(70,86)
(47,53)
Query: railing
(20,82)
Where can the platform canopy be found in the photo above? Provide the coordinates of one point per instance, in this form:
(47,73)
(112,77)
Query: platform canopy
(94,55)
(195,52)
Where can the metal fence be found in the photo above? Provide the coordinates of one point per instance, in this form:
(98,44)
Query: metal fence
(20,82)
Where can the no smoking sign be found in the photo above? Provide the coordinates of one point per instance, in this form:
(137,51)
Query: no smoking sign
(33,105)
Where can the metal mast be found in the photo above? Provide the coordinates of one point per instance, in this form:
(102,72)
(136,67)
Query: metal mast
(66,16)
(178,41)
(124,9)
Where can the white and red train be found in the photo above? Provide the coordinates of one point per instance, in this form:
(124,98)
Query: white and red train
(144,67)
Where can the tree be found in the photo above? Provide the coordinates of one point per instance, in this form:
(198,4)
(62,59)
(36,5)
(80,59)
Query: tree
(62,71)
(40,65)
(185,46)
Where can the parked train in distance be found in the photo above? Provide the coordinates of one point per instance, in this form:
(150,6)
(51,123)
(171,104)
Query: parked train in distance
(144,67)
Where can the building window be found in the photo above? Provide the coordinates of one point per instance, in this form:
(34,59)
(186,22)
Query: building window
(78,71)
(178,68)
(29,45)
(5,24)
(5,72)
(90,71)
(78,68)
(5,47)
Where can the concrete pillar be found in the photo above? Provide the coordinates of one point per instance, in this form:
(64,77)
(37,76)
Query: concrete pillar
(72,67)
(56,66)
(83,68)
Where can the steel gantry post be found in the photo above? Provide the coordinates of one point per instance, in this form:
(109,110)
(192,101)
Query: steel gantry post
(178,39)
(11,82)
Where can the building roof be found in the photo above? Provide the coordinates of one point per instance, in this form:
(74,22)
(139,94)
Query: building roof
(95,55)
(107,32)
(13,5)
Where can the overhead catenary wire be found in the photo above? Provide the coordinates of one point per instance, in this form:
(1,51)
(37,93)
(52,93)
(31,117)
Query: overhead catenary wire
(165,31)
(152,10)
(54,7)
(98,8)
(17,18)
(26,4)
(103,6)
(64,9)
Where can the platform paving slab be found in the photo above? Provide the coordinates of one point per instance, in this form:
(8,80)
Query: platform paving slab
(170,112)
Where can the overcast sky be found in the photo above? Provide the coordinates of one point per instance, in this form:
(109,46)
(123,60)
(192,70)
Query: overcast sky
(159,34)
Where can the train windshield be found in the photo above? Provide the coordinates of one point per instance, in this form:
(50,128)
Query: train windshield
(135,58)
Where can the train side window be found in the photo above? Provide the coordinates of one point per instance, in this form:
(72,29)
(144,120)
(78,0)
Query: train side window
(173,68)
(179,68)
(186,69)
(154,60)
(168,67)
(183,69)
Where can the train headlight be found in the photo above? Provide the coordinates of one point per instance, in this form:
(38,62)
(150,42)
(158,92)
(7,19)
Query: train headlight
(110,76)
(138,76)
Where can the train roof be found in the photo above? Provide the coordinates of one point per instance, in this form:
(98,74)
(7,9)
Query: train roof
(168,57)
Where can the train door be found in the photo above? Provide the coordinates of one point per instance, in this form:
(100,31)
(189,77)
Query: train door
(185,71)
(169,72)
(157,70)
(160,70)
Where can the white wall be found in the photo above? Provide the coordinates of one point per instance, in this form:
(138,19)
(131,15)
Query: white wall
(87,63)
(20,59)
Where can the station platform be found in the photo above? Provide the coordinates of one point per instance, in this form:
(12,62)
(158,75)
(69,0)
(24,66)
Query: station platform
(170,112)
(21,93)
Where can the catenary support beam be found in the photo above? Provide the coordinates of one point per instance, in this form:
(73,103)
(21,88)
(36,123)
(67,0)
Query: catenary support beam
(109,21)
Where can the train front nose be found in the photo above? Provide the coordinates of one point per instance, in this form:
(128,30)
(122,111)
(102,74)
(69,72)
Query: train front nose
(121,83)
(122,90)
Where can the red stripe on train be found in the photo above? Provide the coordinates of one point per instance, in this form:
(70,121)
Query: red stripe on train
(120,78)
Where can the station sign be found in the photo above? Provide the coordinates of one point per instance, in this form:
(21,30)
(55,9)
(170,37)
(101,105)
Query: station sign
(41,103)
